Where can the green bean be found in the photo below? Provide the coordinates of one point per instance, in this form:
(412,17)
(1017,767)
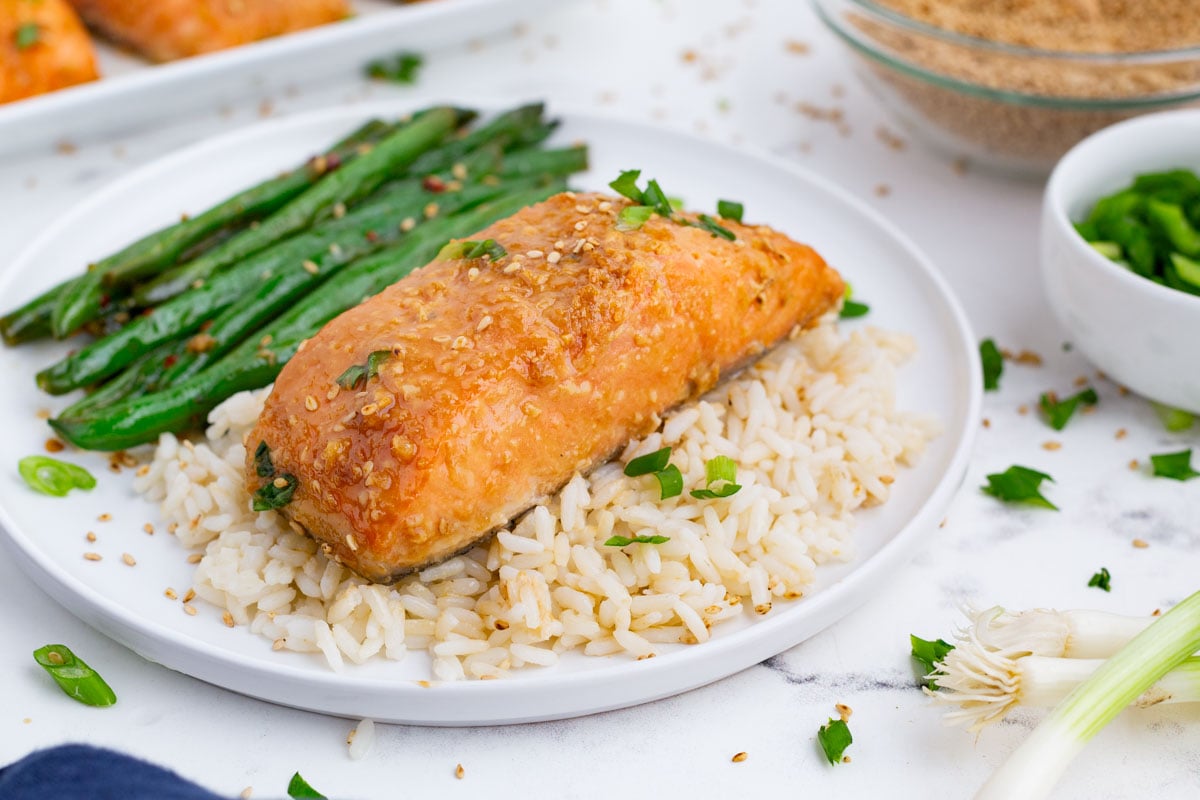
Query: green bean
(258,360)
(84,300)
(32,320)
(346,185)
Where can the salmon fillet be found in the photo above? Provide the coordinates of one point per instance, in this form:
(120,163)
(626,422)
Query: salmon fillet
(43,47)
(164,30)
(506,377)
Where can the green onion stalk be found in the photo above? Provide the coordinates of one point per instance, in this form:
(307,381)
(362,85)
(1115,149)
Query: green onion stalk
(1033,769)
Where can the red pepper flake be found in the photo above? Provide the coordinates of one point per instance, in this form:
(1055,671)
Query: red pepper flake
(170,361)
(372,237)
(332,162)
(105,301)
(433,183)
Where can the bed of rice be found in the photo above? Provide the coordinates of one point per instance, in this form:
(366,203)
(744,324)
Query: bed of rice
(813,427)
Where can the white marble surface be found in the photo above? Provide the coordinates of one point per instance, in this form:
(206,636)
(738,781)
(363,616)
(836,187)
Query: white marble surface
(635,58)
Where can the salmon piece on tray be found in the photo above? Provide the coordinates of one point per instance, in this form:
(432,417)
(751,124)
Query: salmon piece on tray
(431,415)
(164,30)
(43,47)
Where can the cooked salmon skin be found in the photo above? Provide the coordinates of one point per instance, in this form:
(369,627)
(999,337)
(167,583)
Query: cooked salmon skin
(501,378)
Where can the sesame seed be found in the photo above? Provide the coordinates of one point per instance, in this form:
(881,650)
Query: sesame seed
(311,267)
(407,224)
(129,560)
(430,211)
(55,657)
(104,517)
(351,543)
(887,480)
(91,537)
(369,409)
(148,528)
(1052,445)
(195,558)
(196,284)
(92,556)
(1121,433)
(280,483)
(844,711)
(987,423)
(190,610)
(473,273)
(739,757)
(310,403)
(1133,463)
(484,323)
(1140,544)
(580,225)
(459,171)
(227,618)
(554,257)
(534,253)
(339,210)
(459,772)
(605,206)
(1022,410)
(762,608)
(170,594)
(54,446)
(190,595)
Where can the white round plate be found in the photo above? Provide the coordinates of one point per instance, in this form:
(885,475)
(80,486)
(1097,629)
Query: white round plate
(46,535)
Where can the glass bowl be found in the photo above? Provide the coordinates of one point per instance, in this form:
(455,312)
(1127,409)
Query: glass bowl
(1013,108)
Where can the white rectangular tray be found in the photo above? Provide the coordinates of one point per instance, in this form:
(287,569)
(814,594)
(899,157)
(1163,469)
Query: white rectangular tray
(134,94)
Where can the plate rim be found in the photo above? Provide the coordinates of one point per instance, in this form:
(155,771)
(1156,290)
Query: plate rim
(897,549)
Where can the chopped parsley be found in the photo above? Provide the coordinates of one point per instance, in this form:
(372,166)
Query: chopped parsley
(263,466)
(623,541)
(467,249)
(1019,485)
(1176,466)
(77,679)
(852,308)
(1059,412)
(275,494)
(27,35)
(1101,580)
(402,68)
(361,373)
(653,200)
(728,209)
(993,365)
(53,477)
(928,654)
(721,470)
(834,737)
(298,789)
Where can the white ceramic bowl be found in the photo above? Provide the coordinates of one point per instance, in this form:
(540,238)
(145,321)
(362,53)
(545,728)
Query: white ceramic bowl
(1144,335)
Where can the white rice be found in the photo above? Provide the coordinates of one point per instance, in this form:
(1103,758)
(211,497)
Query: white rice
(814,430)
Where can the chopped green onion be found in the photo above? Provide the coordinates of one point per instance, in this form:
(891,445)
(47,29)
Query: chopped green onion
(357,374)
(467,249)
(1175,420)
(276,494)
(721,470)
(655,197)
(27,35)
(728,209)
(1101,580)
(625,541)
(929,654)
(626,185)
(651,462)
(298,789)
(993,365)
(53,477)
(715,228)
(670,481)
(1019,485)
(1176,466)
(76,678)
(835,737)
(263,466)
(402,68)
(851,308)
(1033,768)
(633,217)
(1059,412)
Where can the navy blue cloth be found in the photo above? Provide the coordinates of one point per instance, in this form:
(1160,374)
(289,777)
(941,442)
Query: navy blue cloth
(79,771)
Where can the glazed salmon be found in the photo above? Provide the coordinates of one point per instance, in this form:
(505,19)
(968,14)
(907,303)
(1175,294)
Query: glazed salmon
(500,378)
(43,47)
(164,30)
